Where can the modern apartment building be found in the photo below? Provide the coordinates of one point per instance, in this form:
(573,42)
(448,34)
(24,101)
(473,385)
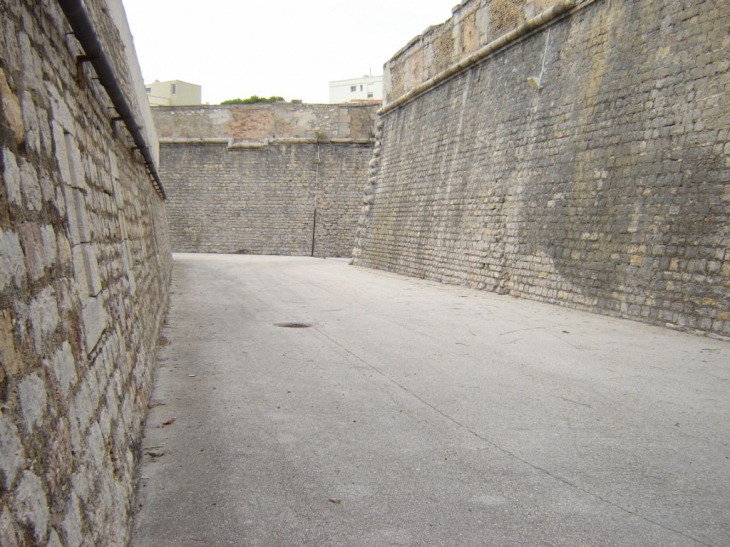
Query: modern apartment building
(367,88)
(174,93)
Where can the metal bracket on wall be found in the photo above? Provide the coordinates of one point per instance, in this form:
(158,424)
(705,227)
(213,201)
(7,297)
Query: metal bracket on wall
(85,32)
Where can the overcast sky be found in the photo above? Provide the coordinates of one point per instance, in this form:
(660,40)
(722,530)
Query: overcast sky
(292,48)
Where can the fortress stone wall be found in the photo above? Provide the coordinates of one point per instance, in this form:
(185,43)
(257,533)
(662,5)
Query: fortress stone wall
(606,189)
(282,178)
(474,24)
(84,269)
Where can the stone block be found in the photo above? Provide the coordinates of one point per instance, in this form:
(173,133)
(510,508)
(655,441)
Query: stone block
(32,506)
(60,108)
(12,263)
(54,540)
(86,270)
(64,248)
(95,320)
(11,109)
(72,523)
(44,318)
(31,239)
(12,178)
(12,455)
(80,413)
(63,365)
(33,401)
(11,360)
(77,216)
(50,248)
(8,531)
(30,186)
(127,265)
(31,122)
(61,156)
(96,446)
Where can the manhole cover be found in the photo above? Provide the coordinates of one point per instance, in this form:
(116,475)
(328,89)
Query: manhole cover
(292,325)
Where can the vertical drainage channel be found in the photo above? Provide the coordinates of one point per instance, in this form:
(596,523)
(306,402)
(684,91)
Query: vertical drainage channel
(316,189)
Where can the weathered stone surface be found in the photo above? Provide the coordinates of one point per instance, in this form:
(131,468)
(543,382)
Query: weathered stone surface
(30,236)
(258,122)
(63,285)
(606,189)
(12,263)
(259,197)
(44,317)
(8,533)
(64,368)
(72,524)
(473,24)
(32,506)
(54,540)
(33,400)
(31,187)
(12,456)
(10,359)
(11,177)
(95,321)
(86,269)
(11,107)
(50,249)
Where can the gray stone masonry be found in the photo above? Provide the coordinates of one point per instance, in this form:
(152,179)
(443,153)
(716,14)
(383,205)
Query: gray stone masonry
(247,179)
(84,271)
(607,189)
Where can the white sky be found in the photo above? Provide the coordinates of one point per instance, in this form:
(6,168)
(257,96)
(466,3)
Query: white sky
(292,48)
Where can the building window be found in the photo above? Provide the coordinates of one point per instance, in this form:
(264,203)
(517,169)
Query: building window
(360,88)
(370,94)
(173,88)
(353,88)
(149,89)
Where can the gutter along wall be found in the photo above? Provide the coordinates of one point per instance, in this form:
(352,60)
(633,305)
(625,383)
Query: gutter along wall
(606,189)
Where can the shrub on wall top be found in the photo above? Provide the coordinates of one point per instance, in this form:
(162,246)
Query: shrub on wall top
(253,99)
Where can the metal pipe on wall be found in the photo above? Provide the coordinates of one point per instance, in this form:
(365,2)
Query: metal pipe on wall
(83,29)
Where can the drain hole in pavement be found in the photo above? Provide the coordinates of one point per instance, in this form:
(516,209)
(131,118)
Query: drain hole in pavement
(293,325)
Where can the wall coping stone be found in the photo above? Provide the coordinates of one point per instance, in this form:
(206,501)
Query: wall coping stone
(492,47)
(262,143)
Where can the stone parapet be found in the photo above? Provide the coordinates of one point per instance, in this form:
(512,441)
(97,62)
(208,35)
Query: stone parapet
(473,25)
(258,122)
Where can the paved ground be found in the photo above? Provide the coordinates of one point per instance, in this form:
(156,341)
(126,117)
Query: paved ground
(413,413)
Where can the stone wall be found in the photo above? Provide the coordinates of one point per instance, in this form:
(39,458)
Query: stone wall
(474,23)
(261,123)
(608,189)
(246,179)
(84,268)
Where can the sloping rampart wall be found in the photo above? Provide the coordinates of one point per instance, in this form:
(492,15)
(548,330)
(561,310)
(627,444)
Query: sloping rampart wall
(607,189)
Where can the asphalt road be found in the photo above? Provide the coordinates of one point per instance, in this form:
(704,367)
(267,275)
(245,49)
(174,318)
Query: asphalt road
(414,413)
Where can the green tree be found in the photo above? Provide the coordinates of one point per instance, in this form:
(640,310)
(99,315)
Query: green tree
(253,99)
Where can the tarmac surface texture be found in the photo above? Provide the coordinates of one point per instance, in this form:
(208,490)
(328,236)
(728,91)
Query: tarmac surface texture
(406,412)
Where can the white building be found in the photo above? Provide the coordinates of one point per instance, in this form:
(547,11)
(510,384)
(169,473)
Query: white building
(367,88)
(174,93)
